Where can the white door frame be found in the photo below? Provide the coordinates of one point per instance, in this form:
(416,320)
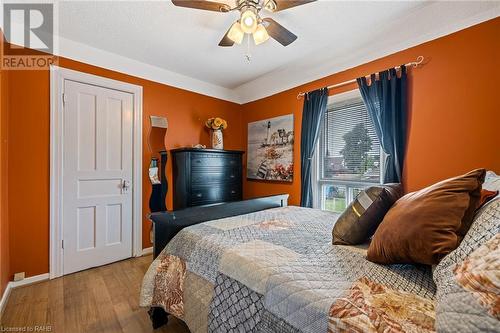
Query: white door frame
(57,77)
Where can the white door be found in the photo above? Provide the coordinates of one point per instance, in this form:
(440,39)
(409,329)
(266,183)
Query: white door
(97,176)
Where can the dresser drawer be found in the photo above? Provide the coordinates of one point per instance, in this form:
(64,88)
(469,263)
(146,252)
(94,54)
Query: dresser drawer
(211,194)
(200,160)
(206,176)
(222,176)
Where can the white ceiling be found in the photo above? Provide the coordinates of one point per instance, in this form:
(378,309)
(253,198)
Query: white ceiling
(178,46)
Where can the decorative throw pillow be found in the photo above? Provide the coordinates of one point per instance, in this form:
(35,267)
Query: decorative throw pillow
(360,220)
(467,281)
(424,226)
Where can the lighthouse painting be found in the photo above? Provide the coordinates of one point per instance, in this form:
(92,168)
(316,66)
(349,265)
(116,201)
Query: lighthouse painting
(270,149)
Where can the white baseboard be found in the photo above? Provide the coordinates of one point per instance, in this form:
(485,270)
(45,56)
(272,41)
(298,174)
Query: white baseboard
(5,297)
(14,284)
(147,251)
(29,280)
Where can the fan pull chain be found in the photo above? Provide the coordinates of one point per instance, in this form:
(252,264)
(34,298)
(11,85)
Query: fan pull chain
(248,56)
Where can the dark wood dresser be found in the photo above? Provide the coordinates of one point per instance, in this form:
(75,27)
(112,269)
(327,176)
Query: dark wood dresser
(206,176)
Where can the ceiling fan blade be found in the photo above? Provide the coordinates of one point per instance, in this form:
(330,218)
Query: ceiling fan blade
(279,33)
(280,5)
(202,4)
(226,41)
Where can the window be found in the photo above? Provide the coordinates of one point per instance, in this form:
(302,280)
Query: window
(348,158)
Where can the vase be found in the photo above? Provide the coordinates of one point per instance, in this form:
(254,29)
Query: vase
(217,139)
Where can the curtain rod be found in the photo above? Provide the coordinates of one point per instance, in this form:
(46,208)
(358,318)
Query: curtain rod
(414,64)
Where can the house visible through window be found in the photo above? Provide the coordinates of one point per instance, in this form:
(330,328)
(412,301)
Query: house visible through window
(348,158)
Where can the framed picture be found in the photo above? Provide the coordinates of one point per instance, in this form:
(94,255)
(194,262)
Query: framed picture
(270,149)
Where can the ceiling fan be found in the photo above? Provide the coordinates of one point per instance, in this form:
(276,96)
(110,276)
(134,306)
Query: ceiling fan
(250,21)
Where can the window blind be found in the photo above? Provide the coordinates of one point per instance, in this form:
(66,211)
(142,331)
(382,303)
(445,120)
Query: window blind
(349,146)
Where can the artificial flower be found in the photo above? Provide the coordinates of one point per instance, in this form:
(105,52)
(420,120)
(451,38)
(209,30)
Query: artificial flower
(218,122)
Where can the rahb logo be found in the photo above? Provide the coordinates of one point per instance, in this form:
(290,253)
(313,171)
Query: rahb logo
(29,31)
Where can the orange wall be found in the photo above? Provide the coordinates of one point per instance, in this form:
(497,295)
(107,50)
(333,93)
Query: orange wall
(453,104)
(4,225)
(29,150)
(454,115)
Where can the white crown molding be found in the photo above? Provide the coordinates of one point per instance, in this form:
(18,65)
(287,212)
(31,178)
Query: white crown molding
(100,58)
(287,77)
(73,50)
(284,79)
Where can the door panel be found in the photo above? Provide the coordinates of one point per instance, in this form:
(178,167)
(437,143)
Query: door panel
(99,187)
(114,134)
(97,162)
(86,129)
(113,224)
(86,228)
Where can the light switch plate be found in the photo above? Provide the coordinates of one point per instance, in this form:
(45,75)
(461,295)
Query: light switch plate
(160,122)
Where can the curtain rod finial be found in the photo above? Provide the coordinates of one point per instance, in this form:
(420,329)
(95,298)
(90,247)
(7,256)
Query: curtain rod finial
(420,60)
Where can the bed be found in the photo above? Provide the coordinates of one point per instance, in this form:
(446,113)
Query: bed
(275,270)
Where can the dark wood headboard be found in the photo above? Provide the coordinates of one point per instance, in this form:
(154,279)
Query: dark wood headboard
(167,224)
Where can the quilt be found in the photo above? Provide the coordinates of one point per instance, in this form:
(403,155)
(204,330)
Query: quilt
(468,279)
(277,271)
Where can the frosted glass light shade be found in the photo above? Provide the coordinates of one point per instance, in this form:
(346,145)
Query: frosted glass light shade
(260,35)
(235,33)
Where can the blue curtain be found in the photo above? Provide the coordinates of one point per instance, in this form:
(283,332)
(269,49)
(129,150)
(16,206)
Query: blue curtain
(312,115)
(386,101)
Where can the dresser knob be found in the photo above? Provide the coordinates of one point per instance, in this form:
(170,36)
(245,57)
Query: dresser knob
(199,195)
(233,192)
(232,176)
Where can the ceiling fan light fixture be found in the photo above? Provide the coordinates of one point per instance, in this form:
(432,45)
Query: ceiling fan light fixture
(270,5)
(248,21)
(235,33)
(260,35)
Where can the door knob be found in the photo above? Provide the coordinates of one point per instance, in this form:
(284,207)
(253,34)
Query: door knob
(125,186)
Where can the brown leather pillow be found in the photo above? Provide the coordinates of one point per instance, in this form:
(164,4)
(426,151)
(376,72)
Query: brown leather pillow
(424,226)
(360,220)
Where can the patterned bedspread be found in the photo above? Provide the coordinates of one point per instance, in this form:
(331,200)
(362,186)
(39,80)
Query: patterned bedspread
(277,271)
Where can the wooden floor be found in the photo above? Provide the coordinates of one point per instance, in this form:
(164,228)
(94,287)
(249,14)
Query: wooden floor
(103,299)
